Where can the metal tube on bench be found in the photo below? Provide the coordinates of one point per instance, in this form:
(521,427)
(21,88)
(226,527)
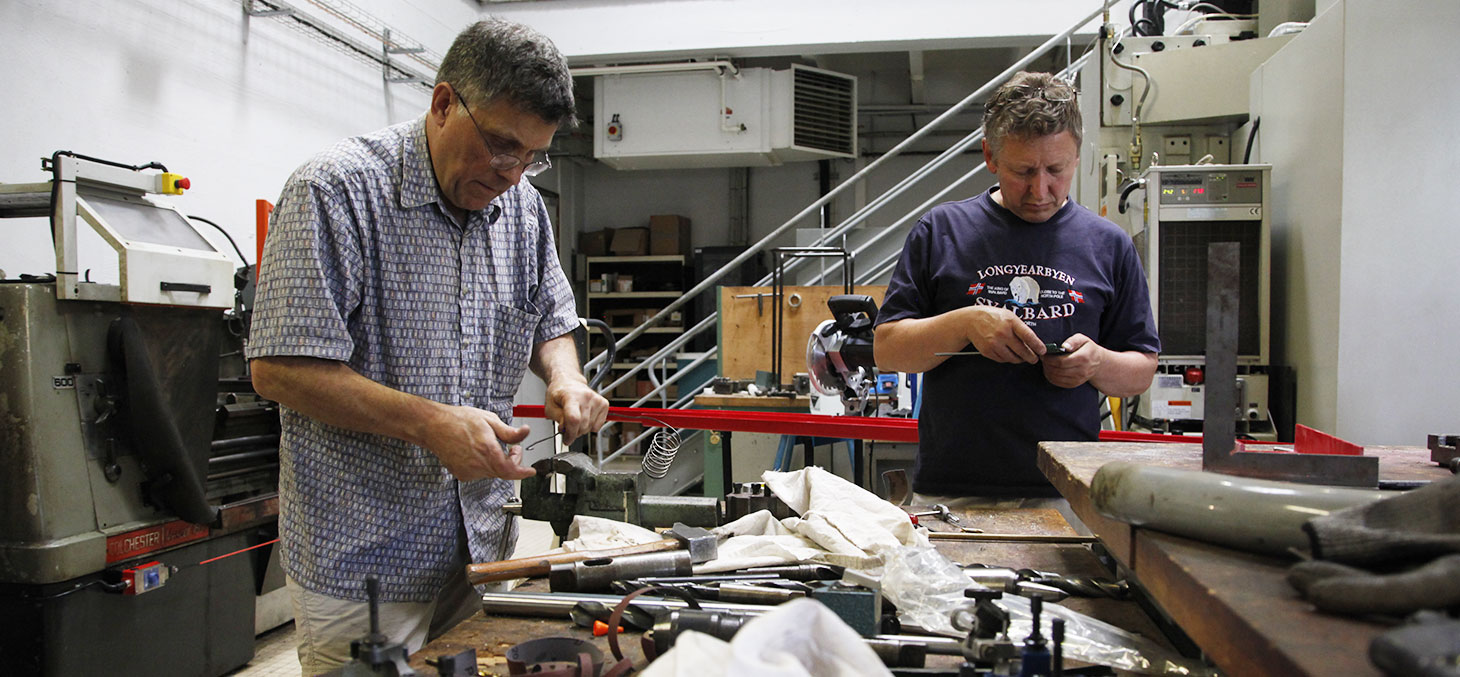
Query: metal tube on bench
(596,575)
(1012,538)
(557,604)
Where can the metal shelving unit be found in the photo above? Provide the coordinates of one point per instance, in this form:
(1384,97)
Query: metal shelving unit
(657,281)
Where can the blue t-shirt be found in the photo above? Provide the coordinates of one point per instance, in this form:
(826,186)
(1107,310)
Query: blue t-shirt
(981,420)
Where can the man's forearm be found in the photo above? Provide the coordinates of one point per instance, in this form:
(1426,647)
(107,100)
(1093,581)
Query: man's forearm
(909,346)
(1123,374)
(333,393)
(557,358)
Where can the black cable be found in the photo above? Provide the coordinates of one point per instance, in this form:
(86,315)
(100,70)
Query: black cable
(1251,136)
(56,181)
(1131,16)
(136,168)
(109,587)
(225,234)
(1120,206)
(1157,12)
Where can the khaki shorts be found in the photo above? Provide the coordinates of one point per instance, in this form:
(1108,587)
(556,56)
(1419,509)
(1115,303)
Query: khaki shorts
(325,626)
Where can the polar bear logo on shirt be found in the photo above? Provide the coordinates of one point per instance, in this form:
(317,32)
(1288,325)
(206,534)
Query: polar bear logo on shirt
(1024,291)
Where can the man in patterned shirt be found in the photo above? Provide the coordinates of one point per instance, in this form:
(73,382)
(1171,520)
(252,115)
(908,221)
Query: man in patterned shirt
(409,279)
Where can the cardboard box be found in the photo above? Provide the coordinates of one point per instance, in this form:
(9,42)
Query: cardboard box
(669,234)
(621,317)
(630,242)
(595,242)
(624,284)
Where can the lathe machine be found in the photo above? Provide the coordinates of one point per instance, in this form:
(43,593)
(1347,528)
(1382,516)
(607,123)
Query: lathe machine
(138,458)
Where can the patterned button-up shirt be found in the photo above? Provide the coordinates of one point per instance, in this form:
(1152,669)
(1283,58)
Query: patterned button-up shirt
(363,265)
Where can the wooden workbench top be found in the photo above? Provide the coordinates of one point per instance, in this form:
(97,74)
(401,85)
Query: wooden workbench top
(492,636)
(1237,606)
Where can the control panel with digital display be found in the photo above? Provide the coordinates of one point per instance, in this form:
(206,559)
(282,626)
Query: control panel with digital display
(1211,187)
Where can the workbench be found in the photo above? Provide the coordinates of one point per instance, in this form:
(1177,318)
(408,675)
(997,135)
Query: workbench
(1236,606)
(492,636)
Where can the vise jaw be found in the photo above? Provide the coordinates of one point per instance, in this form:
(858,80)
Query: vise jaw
(619,496)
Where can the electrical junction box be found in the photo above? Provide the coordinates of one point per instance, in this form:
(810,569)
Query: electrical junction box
(757,117)
(145,577)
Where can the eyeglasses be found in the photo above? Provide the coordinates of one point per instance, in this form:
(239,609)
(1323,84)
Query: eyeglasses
(1043,92)
(504,161)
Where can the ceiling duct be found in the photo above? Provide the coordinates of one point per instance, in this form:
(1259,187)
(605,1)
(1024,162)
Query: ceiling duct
(750,118)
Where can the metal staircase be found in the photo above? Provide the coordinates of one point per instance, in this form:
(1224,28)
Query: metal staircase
(864,274)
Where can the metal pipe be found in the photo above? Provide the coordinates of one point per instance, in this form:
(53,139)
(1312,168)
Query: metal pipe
(654,68)
(249,441)
(557,604)
(271,452)
(1009,538)
(1248,514)
(242,471)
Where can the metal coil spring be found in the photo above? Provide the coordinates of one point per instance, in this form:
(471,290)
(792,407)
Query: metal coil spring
(662,448)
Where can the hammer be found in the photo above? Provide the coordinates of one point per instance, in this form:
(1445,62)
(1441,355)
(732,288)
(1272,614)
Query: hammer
(701,544)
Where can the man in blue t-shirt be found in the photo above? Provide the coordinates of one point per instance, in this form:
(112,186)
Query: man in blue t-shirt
(1009,271)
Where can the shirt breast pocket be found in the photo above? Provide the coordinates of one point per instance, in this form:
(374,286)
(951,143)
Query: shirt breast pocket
(512,331)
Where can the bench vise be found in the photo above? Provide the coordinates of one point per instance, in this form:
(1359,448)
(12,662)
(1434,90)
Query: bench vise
(586,490)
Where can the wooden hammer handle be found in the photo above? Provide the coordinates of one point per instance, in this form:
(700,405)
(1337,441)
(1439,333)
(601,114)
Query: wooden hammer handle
(526,567)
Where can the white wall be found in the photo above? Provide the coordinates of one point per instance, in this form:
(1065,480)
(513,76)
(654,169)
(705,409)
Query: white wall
(234,104)
(1298,97)
(1358,120)
(1398,377)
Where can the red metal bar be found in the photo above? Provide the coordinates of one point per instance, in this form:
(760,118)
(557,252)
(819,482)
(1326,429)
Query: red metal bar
(775,422)
(783,423)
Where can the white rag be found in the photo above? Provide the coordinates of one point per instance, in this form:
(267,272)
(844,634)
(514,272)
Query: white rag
(598,533)
(840,523)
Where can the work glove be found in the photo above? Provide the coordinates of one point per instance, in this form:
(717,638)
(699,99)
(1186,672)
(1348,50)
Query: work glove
(1393,556)
(1342,589)
(1427,646)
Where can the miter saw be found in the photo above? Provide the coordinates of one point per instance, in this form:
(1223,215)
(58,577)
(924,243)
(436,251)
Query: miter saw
(843,374)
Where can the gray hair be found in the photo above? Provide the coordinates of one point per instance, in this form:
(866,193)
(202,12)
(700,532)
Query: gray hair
(1031,105)
(496,60)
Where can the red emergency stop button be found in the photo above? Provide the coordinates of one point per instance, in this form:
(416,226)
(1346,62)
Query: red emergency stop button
(173,184)
(1193,376)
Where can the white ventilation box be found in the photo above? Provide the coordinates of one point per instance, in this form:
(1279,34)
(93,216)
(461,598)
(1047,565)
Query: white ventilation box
(674,120)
